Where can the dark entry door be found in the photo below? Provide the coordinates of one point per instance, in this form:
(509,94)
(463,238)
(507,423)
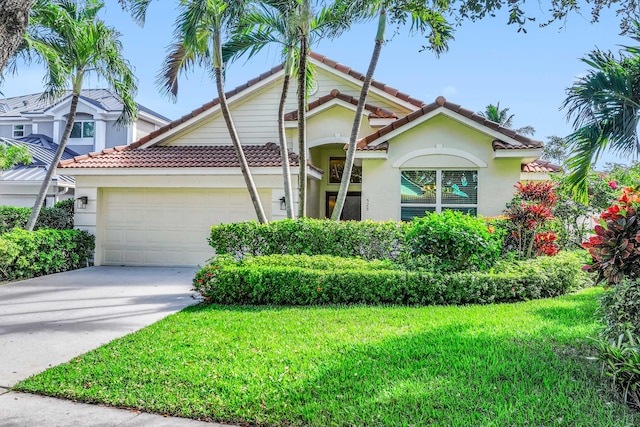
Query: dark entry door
(352,206)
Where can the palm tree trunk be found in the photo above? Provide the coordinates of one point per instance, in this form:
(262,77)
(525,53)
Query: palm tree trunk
(44,188)
(13,24)
(302,126)
(355,130)
(244,166)
(284,152)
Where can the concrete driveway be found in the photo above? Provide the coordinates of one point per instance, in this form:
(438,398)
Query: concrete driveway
(49,320)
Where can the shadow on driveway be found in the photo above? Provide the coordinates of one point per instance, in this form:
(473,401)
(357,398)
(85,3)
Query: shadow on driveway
(48,320)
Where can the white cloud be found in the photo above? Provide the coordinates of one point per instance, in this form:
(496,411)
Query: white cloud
(449,91)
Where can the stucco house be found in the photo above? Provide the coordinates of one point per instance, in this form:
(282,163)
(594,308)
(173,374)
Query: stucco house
(152,202)
(32,120)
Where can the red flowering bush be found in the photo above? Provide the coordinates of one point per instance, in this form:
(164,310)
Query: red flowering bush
(527,215)
(615,248)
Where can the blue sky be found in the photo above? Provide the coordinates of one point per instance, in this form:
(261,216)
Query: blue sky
(488,62)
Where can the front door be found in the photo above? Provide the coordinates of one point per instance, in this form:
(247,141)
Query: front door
(352,206)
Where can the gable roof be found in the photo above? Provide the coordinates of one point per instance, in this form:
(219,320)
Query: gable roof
(42,150)
(102,99)
(208,156)
(441,102)
(374,111)
(275,70)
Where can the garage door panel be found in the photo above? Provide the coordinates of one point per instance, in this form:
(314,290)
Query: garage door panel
(165,227)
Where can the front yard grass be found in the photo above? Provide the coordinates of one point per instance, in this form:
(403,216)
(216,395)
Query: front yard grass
(520,364)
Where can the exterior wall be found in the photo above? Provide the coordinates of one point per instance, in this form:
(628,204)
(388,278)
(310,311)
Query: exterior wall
(116,135)
(333,123)
(23,194)
(143,128)
(458,146)
(45,128)
(6,131)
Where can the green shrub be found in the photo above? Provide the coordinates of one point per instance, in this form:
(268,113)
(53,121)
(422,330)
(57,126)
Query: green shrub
(620,360)
(48,251)
(620,309)
(365,239)
(59,217)
(9,251)
(451,241)
(304,280)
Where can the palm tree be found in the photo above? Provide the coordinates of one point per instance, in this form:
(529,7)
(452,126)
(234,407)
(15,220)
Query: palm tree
(423,19)
(605,107)
(14,17)
(73,42)
(198,33)
(504,119)
(276,22)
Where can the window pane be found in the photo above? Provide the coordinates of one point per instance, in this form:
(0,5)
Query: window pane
(18,131)
(407,213)
(87,129)
(76,130)
(459,187)
(418,187)
(336,167)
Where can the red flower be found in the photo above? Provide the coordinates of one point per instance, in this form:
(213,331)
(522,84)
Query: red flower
(319,289)
(613,185)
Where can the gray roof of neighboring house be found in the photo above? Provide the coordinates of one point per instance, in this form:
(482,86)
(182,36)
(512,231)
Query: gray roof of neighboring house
(42,149)
(17,106)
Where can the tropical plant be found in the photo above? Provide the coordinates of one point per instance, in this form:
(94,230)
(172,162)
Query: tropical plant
(198,39)
(528,215)
(555,150)
(276,22)
(615,248)
(11,155)
(605,108)
(424,19)
(73,43)
(14,18)
(503,118)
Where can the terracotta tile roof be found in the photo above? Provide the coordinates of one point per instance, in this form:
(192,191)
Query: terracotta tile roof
(212,156)
(527,143)
(541,166)
(380,147)
(378,85)
(375,111)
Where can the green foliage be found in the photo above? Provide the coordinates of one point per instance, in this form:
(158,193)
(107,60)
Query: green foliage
(365,239)
(304,280)
(11,155)
(48,251)
(620,309)
(621,363)
(59,217)
(615,249)
(9,251)
(528,222)
(451,241)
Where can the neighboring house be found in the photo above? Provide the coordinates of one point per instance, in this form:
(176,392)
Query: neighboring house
(153,202)
(94,128)
(20,184)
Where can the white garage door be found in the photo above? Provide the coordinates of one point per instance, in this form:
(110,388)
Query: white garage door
(167,226)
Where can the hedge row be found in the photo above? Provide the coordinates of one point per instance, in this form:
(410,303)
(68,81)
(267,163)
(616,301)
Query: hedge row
(304,280)
(25,254)
(59,217)
(449,241)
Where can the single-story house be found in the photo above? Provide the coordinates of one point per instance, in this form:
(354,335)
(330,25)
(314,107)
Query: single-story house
(153,202)
(20,184)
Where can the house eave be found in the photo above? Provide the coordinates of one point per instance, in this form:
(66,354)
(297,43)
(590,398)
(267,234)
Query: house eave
(208,171)
(527,155)
(383,155)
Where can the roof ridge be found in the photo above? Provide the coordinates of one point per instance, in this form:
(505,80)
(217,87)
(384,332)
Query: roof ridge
(335,93)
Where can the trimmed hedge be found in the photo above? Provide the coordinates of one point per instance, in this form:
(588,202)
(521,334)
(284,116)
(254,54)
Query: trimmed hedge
(304,280)
(59,217)
(25,254)
(365,239)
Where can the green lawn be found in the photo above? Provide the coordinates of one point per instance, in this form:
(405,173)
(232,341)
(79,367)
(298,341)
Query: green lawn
(500,365)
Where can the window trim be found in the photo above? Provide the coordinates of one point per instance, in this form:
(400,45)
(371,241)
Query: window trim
(15,129)
(81,124)
(438,206)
